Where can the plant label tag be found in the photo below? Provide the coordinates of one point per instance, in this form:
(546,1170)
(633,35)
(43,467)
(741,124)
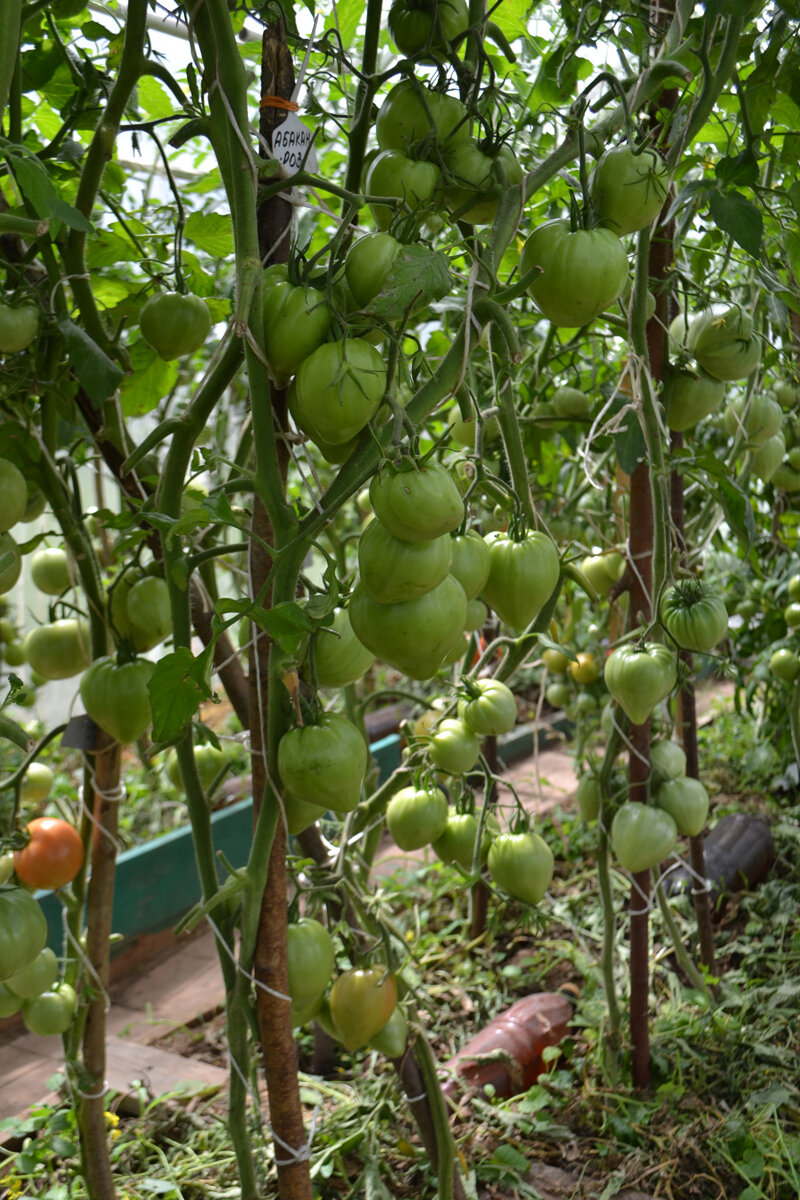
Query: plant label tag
(292,145)
(80,734)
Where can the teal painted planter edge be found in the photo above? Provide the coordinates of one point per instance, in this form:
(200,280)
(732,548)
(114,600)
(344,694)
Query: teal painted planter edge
(157,882)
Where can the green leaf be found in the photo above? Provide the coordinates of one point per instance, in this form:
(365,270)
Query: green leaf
(153,99)
(630,444)
(345,17)
(99,376)
(509,1156)
(734,214)
(211,232)
(61,211)
(417,277)
(178,686)
(287,624)
(510,17)
(150,381)
(712,474)
(741,170)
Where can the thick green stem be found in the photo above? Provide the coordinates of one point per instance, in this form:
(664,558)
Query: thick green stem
(362,121)
(684,958)
(9,48)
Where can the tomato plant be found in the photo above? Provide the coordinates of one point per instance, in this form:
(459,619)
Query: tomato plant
(454,748)
(692,396)
(296,322)
(369,261)
(324,764)
(37,783)
(52,857)
(478,180)
(37,977)
(456,844)
(337,390)
(392,174)
(175,324)
(470,563)
(429,25)
(589,797)
(416,816)
(412,114)
(339,657)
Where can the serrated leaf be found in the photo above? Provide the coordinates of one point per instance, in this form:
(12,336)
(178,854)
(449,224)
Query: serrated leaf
(287,624)
(510,17)
(417,277)
(153,99)
(178,686)
(150,381)
(211,232)
(98,375)
(737,216)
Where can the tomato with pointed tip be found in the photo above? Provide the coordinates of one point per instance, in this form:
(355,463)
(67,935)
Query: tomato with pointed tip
(361,1002)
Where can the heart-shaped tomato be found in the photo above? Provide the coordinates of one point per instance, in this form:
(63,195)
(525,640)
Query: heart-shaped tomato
(640,677)
(642,836)
(521,864)
(361,1002)
(686,801)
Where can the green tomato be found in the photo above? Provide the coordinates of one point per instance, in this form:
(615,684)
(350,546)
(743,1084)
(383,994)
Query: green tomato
(23,930)
(427,25)
(642,836)
(394,570)
(693,396)
(52,1012)
(603,571)
(628,190)
(37,503)
(416,816)
(522,865)
(582,273)
(477,616)
(116,697)
(392,1039)
(339,657)
(14,654)
(456,844)
(558,695)
(686,801)
(300,814)
(392,174)
(361,1002)
(588,797)
(208,760)
(59,650)
(412,114)
(694,615)
(640,677)
(522,576)
(785,664)
(175,324)
(787,394)
(37,977)
(413,635)
(37,783)
(570,403)
(9,574)
(478,180)
(149,612)
(50,571)
(756,420)
(768,457)
(10,1002)
(368,263)
(471,562)
(416,502)
(787,478)
(493,711)
(310,959)
(556,662)
(794,588)
(18,327)
(454,748)
(338,390)
(723,344)
(297,321)
(6,866)
(324,764)
(791,614)
(667,761)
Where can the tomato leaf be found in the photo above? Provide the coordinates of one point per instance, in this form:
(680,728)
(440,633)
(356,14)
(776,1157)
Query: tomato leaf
(151,379)
(287,624)
(179,685)
(99,376)
(630,444)
(417,277)
(734,214)
(212,232)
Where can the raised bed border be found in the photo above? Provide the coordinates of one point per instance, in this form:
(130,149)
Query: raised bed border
(157,882)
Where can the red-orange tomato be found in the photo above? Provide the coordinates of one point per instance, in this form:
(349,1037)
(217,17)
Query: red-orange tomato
(53,856)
